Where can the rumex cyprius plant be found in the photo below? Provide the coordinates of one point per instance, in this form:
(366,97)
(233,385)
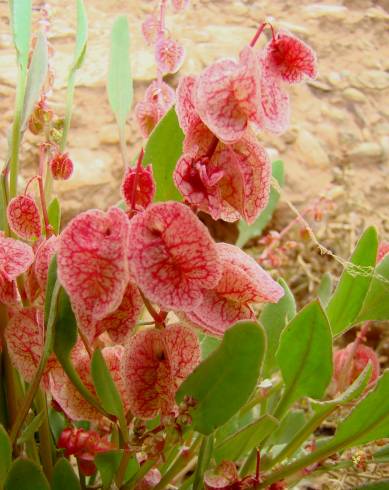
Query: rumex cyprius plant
(136,351)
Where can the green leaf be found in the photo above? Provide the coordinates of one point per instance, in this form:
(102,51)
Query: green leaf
(163,149)
(246,232)
(305,356)
(376,304)
(248,438)
(57,423)
(105,387)
(223,383)
(382,455)
(273,318)
(81,36)
(203,461)
(36,77)
(31,428)
(26,475)
(5,455)
(293,421)
(108,464)
(51,280)
(64,477)
(21,12)
(207,344)
(120,90)
(325,289)
(54,213)
(346,302)
(65,336)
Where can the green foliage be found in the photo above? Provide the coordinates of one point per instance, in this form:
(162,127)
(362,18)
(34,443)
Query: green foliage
(5,455)
(246,439)
(108,464)
(376,304)
(204,459)
(305,356)
(325,288)
(224,381)
(36,77)
(25,475)
(81,36)
(32,427)
(64,477)
(347,300)
(54,214)
(163,149)
(246,232)
(273,318)
(120,90)
(293,421)
(21,12)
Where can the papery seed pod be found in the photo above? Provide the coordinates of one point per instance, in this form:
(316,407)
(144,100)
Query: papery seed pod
(61,166)
(92,261)
(169,55)
(41,116)
(147,116)
(8,291)
(150,29)
(142,179)
(44,254)
(172,267)
(185,106)
(154,364)
(15,257)
(349,362)
(160,93)
(289,58)
(23,217)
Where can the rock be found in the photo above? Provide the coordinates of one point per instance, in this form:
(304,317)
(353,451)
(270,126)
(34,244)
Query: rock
(348,138)
(294,28)
(109,134)
(272,153)
(333,113)
(312,151)
(290,135)
(319,85)
(322,10)
(354,95)
(368,152)
(375,79)
(336,80)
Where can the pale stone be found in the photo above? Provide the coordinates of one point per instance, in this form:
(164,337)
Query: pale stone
(354,95)
(368,152)
(311,149)
(375,79)
(109,134)
(319,85)
(336,80)
(294,28)
(317,10)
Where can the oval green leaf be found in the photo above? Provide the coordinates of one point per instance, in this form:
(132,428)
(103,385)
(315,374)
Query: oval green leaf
(325,289)
(347,300)
(54,214)
(163,149)
(5,455)
(120,90)
(64,477)
(223,383)
(376,304)
(26,475)
(305,356)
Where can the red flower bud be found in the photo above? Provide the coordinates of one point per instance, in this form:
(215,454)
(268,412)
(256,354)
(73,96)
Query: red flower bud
(61,166)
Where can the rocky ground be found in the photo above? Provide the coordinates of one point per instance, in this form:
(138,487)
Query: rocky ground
(338,142)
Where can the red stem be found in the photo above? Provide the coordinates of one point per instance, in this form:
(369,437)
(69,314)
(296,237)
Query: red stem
(260,29)
(138,167)
(42,159)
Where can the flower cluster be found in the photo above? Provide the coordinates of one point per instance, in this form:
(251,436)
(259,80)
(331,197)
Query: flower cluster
(224,171)
(169,56)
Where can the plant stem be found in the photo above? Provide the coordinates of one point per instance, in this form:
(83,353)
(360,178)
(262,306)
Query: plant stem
(16,131)
(42,161)
(48,347)
(123,145)
(69,108)
(45,447)
(204,458)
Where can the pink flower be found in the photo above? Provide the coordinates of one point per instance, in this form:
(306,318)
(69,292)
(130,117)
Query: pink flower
(155,364)
(23,217)
(185,106)
(142,179)
(169,55)
(243,284)
(172,256)
(228,96)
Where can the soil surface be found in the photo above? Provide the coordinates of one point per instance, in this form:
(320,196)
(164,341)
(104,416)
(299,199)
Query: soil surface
(337,144)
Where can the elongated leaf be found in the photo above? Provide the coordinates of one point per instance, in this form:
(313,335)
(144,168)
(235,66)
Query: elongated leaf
(382,455)
(222,383)
(31,428)
(5,455)
(346,302)
(57,423)
(65,337)
(246,232)
(273,318)
(54,213)
(105,386)
(26,475)
(51,280)
(21,11)
(376,304)
(120,90)
(205,455)
(325,289)
(64,477)
(248,438)
(36,77)
(305,356)
(207,344)
(369,421)
(163,149)
(81,36)
(293,421)
(108,464)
